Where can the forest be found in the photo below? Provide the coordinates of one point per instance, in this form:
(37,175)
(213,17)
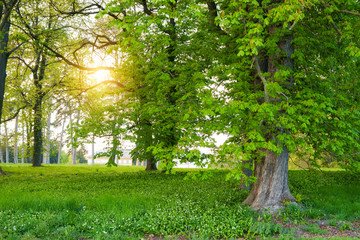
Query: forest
(277,81)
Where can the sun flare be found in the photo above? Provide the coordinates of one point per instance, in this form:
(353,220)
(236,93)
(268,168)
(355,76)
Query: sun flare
(99,76)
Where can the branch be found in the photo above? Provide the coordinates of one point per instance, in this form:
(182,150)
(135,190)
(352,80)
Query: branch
(109,13)
(86,42)
(349,155)
(87,10)
(23,61)
(15,114)
(118,84)
(16,48)
(336,28)
(264,81)
(349,12)
(77,65)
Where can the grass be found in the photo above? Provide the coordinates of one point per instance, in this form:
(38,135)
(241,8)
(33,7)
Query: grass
(96,202)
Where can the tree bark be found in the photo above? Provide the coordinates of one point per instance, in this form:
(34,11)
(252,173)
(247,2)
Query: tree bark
(73,155)
(93,151)
(61,136)
(1,152)
(6,145)
(23,144)
(48,135)
(271,189)
(38,148)
(4,55)
(151,164)
(38,73)
(150,159)
(16,150)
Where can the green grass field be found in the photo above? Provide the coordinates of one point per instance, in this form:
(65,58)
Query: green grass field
(96,202)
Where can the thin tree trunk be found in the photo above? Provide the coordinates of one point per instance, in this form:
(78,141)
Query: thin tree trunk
(16,150)
(28,141)
(44,146)
(61,136)
(93,150)
(48,140)
(23,145)
(73,159)
(6,145)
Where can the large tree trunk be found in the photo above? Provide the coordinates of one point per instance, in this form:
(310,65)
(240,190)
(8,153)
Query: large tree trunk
(151,164)
(38,148)
(1,152)
(272,188)
(5,11)
(150,159)
(38,73)
(3,61)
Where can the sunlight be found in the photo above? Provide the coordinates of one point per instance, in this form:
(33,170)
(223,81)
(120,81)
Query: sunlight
(99,76)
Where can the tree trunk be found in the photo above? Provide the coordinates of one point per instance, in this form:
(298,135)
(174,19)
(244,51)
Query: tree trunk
(6,145)
(1,152)
(93,151)
(2,172)
(38,73)
(29,129)
(271,189)
(16,150)
(73,157)
(23,145)
(248,173)
(150,164)
(61,136)
(3,61)
(47,142)
(38,148)
(147,134)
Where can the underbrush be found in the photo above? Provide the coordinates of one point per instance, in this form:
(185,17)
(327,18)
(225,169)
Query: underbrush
(82,202)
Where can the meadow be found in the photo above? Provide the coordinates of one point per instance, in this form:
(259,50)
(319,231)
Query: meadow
(97,202)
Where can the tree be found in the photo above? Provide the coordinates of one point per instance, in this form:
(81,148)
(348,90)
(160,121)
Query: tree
(6,7)
(164,68)
(280,99)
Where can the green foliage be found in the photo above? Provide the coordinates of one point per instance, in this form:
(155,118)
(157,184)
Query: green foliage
(315,229)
